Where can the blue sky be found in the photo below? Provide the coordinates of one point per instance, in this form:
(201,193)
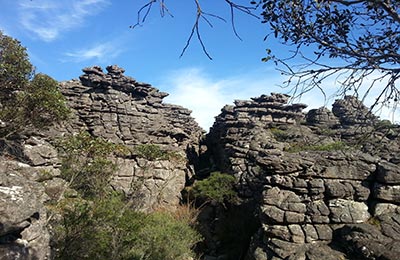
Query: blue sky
(64,36)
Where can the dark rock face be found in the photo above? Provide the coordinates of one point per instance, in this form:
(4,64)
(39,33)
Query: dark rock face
(351,111)
(314,186)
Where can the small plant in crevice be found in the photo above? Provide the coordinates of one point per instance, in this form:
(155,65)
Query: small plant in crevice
(218,187)
(86,163)
(279,134)
(325,131)
(375,221)
(153,152)
(334,146)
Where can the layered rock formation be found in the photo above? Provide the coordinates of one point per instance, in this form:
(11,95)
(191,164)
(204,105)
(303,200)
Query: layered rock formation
(116,108)
(322,184)
(325,184)
(121,110)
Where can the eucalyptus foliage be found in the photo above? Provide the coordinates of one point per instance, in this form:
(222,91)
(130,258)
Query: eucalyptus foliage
(26,100)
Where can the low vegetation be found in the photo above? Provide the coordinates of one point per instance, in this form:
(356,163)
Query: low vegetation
(334,146)
(153,152)
(108,228)
(99,223)
(86,163)
(279,134)
(218,187)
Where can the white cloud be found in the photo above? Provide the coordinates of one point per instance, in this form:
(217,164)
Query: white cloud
(101,52)
(206,96)
(47,19)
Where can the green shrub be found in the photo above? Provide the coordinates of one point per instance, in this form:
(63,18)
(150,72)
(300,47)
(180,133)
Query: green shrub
(150,152)
(43,101)
(15,67)
(164,237)
(334,146)
(24,103)
(86,164)
(108,228)
(218,187)
(99,229)
(279,134)
(384,124)
(327,131)
(101,224)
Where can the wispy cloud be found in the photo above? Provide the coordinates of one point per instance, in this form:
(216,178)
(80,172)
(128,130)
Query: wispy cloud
(101,52)
(206,95)
(47,19)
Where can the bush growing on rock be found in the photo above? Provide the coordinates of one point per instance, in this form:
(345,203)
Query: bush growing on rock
(99,223)
(151,152)
(43,102)
(334,146)
(86,163)
(279,134)
(219,187)
(154,152)
(107,228)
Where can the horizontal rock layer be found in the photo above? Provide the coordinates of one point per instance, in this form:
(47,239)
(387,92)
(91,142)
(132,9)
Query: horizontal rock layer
(315,176)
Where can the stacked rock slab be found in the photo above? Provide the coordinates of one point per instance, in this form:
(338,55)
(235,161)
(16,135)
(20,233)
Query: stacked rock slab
(121,110)
(241,129)
(318,196)
(107,105)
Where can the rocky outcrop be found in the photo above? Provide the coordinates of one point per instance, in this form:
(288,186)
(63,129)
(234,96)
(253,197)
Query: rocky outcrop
(111,106)
(122,110)
(322,188)
(322,184)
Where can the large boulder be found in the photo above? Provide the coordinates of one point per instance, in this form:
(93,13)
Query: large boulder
(23,216)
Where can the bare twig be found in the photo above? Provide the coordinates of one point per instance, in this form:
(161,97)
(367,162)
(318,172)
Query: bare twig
(200,16)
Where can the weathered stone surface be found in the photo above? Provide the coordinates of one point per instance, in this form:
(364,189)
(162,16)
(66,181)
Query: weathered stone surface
(369,242)
(387,193)
(23,231)
(351,111)
(388,173)
(310,178)
(347,211)
(118,109)
(322,116)
(122,110)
